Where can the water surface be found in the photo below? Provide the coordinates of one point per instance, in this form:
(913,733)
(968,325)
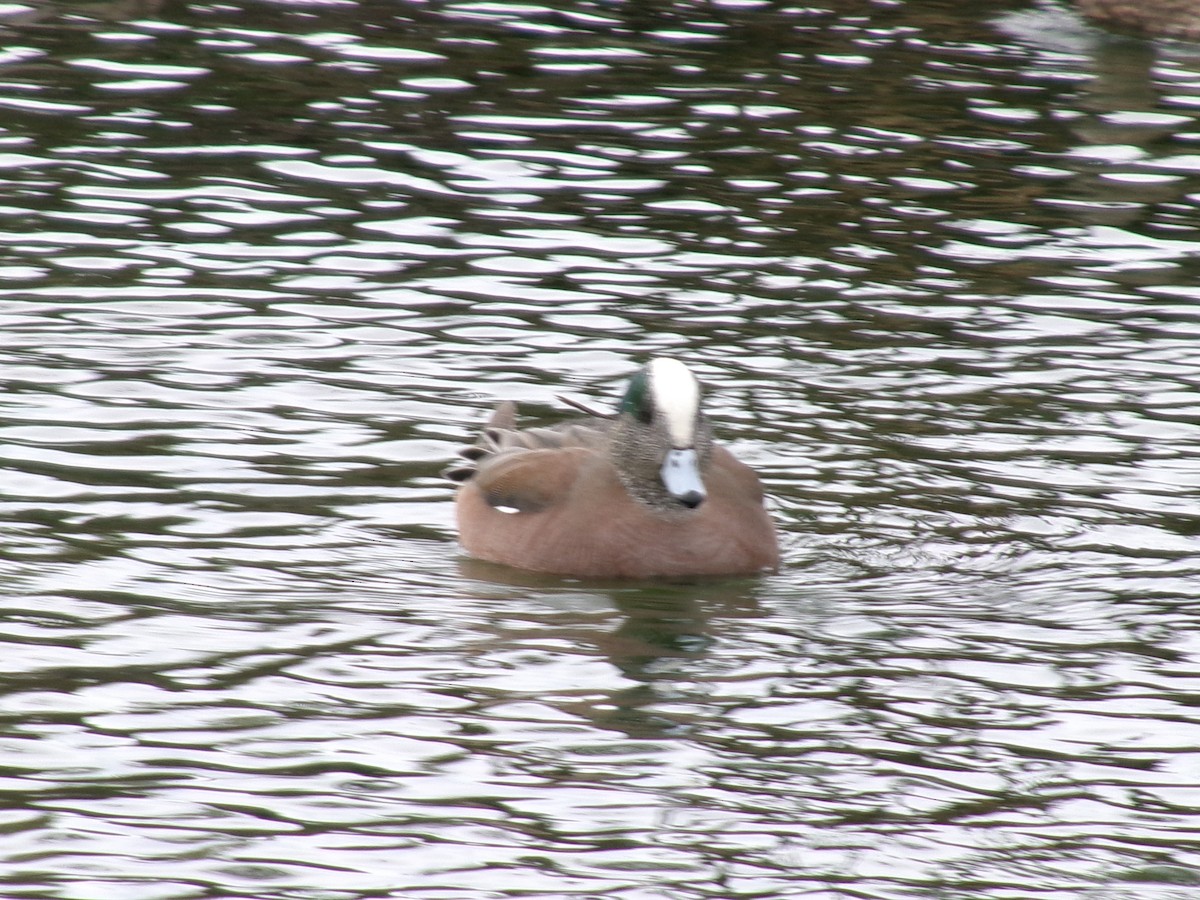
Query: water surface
(263,266)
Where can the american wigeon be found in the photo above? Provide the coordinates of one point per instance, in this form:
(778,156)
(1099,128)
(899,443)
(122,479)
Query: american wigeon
(640,494)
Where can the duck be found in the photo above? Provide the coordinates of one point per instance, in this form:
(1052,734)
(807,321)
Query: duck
(641,493)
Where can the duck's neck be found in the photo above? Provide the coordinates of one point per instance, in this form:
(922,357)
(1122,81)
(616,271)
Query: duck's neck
(638,453)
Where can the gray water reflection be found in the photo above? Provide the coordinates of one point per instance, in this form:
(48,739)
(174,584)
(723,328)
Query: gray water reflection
(264,265)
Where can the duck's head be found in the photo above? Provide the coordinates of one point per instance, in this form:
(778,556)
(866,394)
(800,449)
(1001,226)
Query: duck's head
(661,439)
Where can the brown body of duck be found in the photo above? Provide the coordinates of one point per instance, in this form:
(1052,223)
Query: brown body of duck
(643,494)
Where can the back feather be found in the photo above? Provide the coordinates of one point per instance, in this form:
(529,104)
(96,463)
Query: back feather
(501,435)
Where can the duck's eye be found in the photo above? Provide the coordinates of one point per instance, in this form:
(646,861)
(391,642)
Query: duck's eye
(636,401)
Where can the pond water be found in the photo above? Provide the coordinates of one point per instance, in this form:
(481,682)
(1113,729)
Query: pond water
(265,265)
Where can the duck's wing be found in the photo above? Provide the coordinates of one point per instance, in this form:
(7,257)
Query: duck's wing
(501,439)
(529,481)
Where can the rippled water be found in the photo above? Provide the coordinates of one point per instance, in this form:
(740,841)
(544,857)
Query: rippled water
(265,264)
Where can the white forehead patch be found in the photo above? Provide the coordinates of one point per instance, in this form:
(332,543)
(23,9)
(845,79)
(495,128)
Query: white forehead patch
(676,395)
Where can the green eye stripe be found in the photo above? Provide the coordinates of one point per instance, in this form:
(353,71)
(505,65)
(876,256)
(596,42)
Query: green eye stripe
(636,401)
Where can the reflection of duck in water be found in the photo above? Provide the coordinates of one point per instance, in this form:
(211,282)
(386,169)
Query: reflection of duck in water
(1161,18)
(644,493)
